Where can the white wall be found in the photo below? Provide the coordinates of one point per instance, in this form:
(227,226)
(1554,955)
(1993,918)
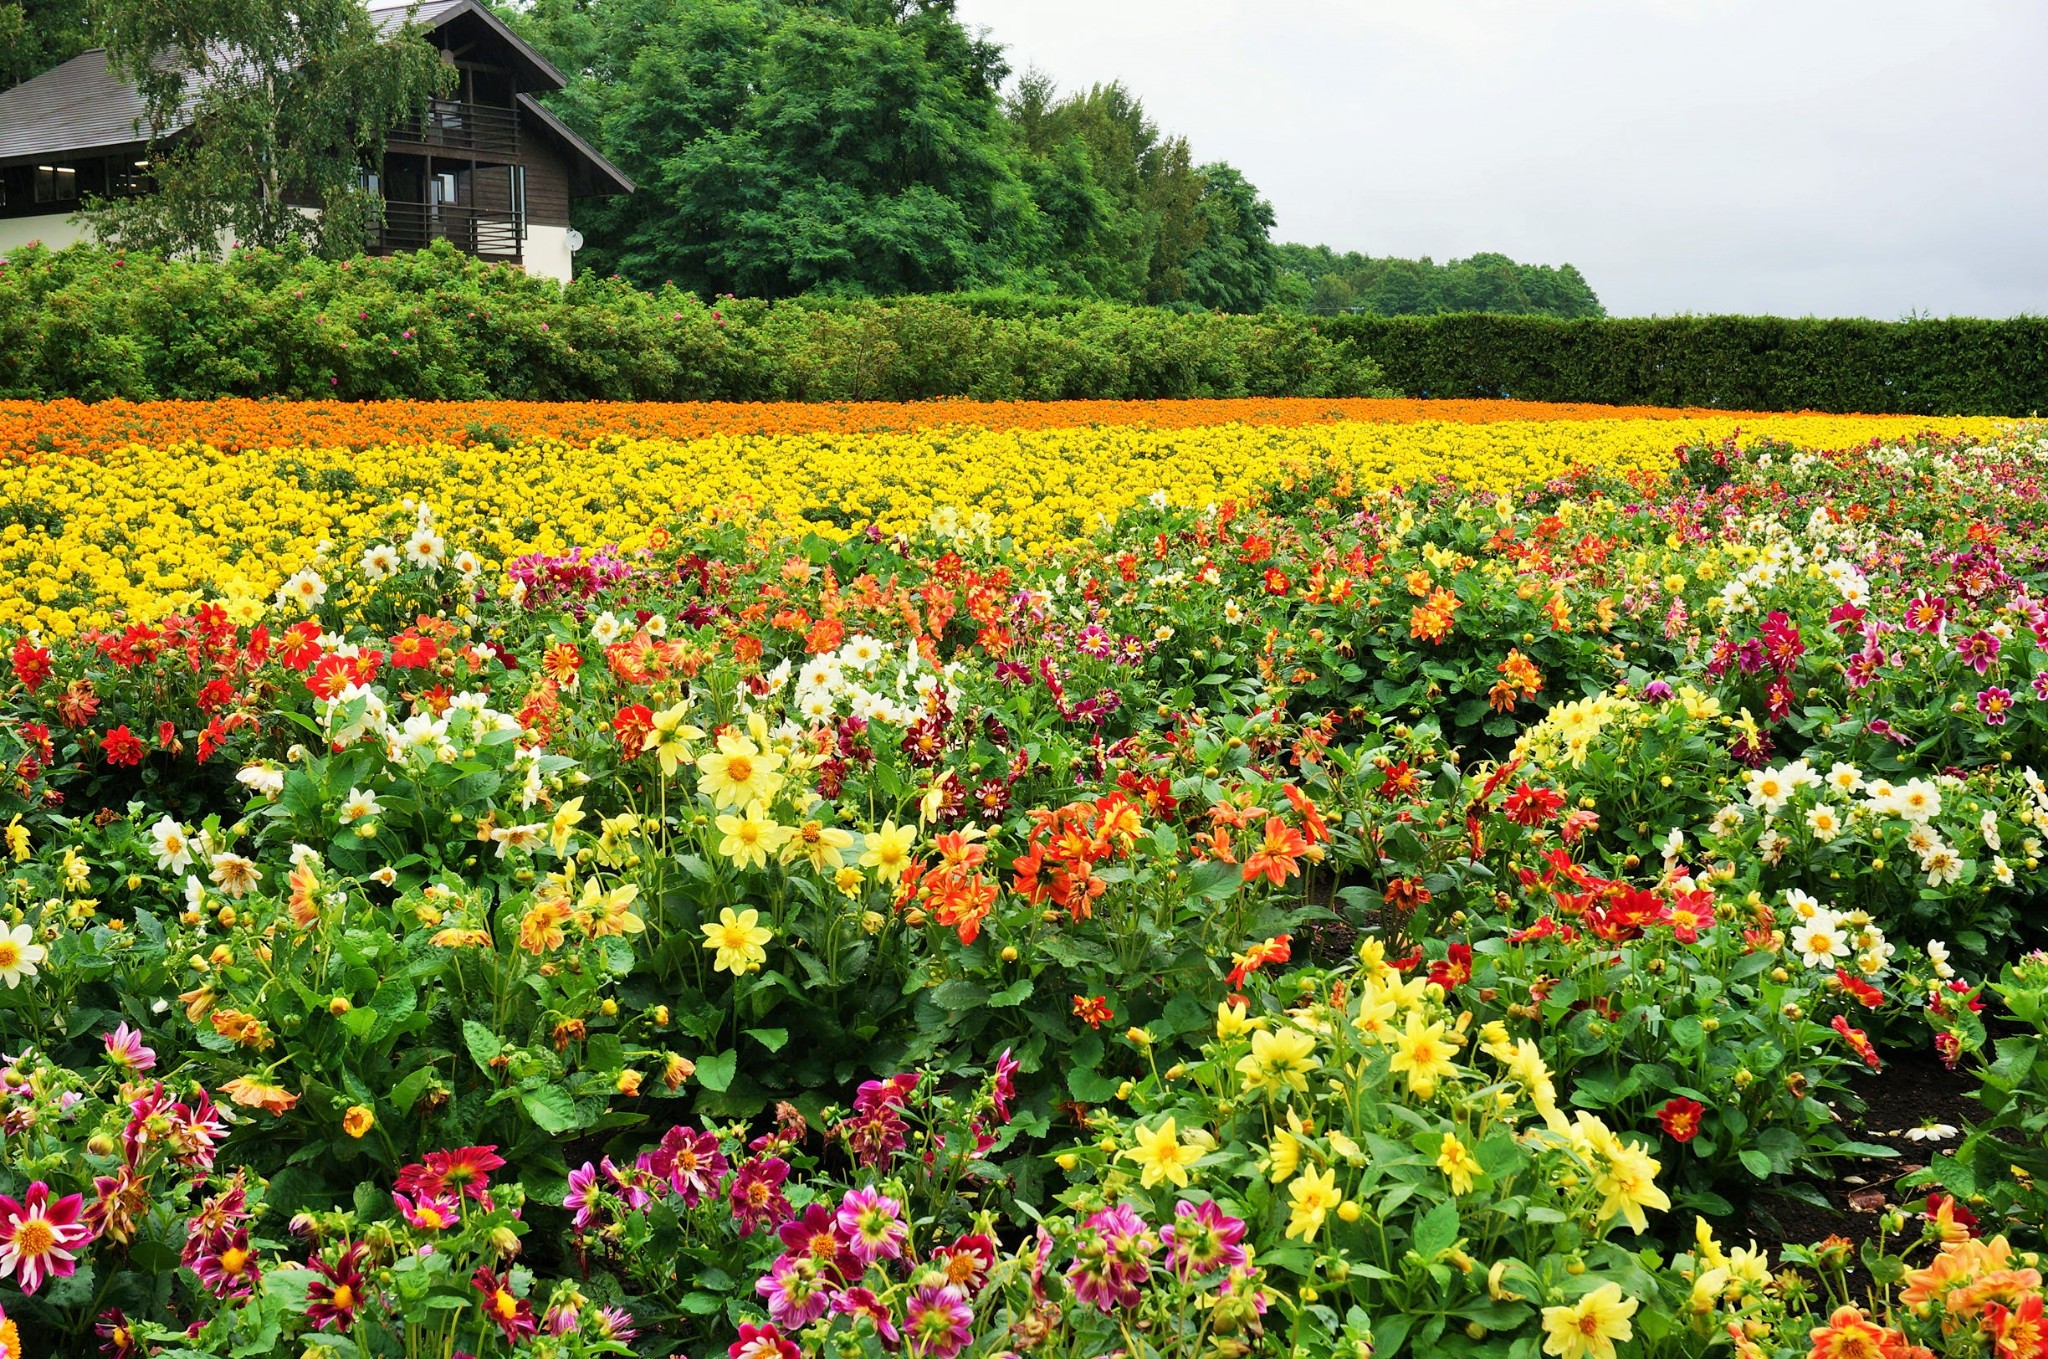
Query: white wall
(547,252)
(55,231)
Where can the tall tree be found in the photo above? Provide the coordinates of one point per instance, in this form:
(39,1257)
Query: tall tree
(1143,186)
(259,109)
(1233,268)
(842,145)
(36,35)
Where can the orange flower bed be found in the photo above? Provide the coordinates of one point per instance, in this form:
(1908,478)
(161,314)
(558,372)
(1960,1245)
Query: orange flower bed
(67,426)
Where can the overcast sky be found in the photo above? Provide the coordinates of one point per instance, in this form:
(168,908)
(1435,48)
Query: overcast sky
(1796,157)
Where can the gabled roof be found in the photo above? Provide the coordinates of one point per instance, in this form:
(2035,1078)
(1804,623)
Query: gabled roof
(79,106)
(438,15)
(604,176)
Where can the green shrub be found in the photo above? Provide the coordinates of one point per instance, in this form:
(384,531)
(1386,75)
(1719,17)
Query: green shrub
(438,325)
(1759,363)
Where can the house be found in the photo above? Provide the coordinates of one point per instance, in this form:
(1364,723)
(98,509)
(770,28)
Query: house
(487,168)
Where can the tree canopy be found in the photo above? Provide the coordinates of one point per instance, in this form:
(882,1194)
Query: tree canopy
(1318,279)
(863,146)
(36,35)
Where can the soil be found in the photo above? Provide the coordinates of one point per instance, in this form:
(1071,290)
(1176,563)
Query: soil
(1329,942)
(1913,1090)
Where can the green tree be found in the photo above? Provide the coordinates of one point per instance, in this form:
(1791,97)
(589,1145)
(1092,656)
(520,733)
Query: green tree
(1233,269)
(843,145)
(1318,279)
(259,110)
(36,35)
(1147,194)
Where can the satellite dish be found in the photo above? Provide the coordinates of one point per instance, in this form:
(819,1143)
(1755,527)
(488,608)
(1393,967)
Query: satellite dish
(574,240)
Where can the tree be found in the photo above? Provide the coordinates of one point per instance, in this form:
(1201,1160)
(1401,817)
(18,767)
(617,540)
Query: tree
(36,35)
(1143,185)
(257,111)
(1233,268)
(844,145)
(1318,279)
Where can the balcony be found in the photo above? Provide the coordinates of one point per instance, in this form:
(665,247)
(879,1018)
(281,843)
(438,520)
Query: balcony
(478,129)
(486,234)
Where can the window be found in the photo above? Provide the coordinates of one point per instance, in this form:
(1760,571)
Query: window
(444,187)
(126,178)
(56,183)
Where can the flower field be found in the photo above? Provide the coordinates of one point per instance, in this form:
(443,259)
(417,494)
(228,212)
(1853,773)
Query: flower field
(142,529)
(1216,879)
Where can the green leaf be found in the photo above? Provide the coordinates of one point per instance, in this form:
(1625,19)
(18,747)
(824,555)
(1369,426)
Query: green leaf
(551,1108)
(958,995)
(1090,1087)
(300,795)
(1885,1269)
(1756,1163)
(1213,881)
(716,1072)
(1438,1230)
(1016,993)
(772,1039)
(603,1052)
(484,1046)
(408,1091)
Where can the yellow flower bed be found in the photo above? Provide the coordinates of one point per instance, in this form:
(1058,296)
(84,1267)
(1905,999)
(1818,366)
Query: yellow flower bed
(141,531)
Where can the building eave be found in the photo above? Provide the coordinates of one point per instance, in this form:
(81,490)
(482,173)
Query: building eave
(594,160)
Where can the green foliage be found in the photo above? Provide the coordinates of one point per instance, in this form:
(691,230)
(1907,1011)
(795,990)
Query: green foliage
(1957,366)
(1128,211)
(2001,1163)
(36,35)
(852,147)
(859,148)
(1232,269)
(1318,279)
(437,325)
(256,111)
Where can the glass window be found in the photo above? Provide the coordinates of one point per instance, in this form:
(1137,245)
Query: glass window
(127,177)
(56,183)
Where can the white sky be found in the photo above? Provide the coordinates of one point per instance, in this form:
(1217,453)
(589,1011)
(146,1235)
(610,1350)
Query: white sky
(1804,157)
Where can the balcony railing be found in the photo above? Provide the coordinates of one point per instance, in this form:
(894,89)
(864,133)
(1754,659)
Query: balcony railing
(464,127)
(474,231)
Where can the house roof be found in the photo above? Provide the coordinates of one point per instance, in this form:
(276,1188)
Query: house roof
(439,15)
(604,176)
(83,106)
(79,106)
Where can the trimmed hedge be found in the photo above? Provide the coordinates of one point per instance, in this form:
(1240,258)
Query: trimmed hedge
(1759,363)
(88,323)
